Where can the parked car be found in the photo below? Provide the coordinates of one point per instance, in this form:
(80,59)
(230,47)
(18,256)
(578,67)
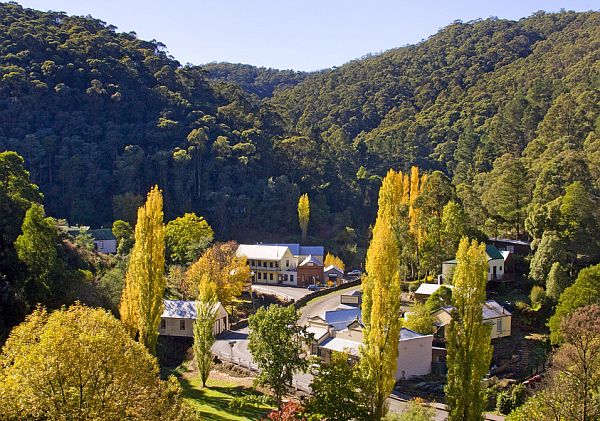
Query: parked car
(313,287)
(354,273)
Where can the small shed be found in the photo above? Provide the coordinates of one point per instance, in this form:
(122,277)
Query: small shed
(334,274)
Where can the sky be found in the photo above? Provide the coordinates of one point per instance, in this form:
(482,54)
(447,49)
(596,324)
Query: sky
(285,34)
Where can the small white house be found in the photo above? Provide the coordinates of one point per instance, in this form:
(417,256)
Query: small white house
(179,316)
(104,240)
(495,262)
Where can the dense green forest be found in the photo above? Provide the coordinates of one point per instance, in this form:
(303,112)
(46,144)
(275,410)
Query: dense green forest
(259,81)
(508,110)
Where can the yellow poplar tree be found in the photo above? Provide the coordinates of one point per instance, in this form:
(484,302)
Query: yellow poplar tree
(142,299)
(331,259)
(468,344)
(203,327)
(381,298)
(303,214)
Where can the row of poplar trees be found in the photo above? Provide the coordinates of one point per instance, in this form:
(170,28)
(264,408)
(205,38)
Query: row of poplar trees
(142,300)
(387,265)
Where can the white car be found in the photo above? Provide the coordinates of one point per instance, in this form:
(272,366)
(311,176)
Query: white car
(354,272)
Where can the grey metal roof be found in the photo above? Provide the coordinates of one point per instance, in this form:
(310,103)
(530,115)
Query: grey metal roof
(182,309)
(298,250)
(406,334)
(340,319)
(311,259)
(179,309)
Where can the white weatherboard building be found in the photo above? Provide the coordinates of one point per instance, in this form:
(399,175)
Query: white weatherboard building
(270,264)
(278,264)
(342,331)
(179,316)
(495,262)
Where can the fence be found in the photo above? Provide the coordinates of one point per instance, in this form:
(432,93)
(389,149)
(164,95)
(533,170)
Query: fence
(236,360)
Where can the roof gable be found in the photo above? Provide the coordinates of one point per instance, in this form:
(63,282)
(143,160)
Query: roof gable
(493,253)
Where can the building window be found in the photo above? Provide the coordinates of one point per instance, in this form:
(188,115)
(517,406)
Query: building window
(265,264)
(259,277)
(291,278)
(182,325)
(251,262)
(270,264)
(499,325)
(287,263)
(163,324)
(271,276)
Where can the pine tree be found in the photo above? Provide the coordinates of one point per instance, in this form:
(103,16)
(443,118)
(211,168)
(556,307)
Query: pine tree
(381,297)
(203,327)
(303,214)
(468,344)
(142,299)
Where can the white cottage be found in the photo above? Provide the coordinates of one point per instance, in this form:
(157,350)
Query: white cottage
(495,262)
(179,316)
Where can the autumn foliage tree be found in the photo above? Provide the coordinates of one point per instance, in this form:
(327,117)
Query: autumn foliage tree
(303,214)
(381,296)
(142,299)
(331,259)
(220,263)
(80,364)
(570,390)
(468,343)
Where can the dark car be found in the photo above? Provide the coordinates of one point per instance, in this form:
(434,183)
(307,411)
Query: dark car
(313,287)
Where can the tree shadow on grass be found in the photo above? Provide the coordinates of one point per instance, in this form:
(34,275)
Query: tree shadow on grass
(221,403)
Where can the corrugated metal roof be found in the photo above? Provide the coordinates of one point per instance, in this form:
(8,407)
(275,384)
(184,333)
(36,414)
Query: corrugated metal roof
(102,234)
(261,251)
(491,310)
(181,309)
(333,267)
(428,289)
(311,259)
(342,345)
(340,319)
(319,332)
(298,250)
(493,252)
(406,334)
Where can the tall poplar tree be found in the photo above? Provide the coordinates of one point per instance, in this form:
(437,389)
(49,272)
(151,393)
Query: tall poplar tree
(468,343)
(203,327)
(303,214)
(381,296)
(142,299)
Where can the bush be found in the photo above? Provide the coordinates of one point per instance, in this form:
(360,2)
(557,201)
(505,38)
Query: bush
(537,297)
(248,401)
(510,399)
(413,286)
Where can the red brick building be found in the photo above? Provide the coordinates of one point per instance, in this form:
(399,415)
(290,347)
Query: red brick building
(310,271)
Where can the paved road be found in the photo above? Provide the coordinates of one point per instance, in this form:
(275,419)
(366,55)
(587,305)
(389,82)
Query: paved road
(286,292)
(321,304)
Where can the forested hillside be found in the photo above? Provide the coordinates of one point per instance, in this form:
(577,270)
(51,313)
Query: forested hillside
(260,81)
(508,110)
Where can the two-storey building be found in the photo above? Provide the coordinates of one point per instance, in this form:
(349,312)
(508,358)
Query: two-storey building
(270,264)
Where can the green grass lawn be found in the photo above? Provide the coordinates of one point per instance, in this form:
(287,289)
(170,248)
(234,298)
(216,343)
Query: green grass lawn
(212,402)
